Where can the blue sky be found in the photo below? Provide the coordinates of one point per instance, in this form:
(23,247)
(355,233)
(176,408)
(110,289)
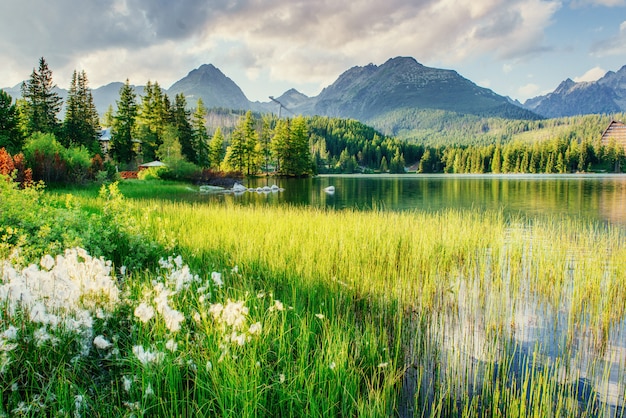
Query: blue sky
(518,48)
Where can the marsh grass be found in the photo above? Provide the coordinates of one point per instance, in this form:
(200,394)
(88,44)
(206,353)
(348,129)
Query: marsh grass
(343,313)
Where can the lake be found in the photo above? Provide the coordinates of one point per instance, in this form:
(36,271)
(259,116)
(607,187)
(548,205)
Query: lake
(590,196)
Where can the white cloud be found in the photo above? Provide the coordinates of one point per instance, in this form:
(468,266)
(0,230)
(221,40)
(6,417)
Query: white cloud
(507,68)
(615,45)
(529,90)
(592,75)
(607,3)
(296,41)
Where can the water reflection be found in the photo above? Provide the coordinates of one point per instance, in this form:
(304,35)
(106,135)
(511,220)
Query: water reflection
(596,197)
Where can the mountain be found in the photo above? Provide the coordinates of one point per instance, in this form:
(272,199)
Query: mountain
(400,83)
(370,94)
(606,95)
(210,84)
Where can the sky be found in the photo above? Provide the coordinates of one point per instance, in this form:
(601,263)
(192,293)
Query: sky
(517,48)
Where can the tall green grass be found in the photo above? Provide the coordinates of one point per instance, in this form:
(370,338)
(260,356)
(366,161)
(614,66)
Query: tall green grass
(344,313)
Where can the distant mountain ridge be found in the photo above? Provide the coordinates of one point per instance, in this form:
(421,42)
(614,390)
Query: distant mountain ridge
(604,96)
(363,93)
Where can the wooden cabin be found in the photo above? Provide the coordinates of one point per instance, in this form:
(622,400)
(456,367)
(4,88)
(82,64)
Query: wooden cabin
(615,131)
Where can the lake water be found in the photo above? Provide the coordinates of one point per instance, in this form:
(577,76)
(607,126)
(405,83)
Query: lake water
(594,197)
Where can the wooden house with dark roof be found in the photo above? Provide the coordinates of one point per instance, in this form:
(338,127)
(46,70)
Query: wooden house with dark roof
(615,131)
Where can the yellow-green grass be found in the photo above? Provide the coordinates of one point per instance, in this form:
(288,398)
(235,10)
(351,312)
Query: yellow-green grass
(425,279)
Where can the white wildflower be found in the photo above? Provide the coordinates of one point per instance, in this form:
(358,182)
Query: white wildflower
(332,365)
(146,356)
(235,270)
(10,333)
(178,261)
(148,391)
(127,382)
(14,387)
(281,378)
(260,295)
(79,403)
(101,342)
(217,279)
(6,346)
(209,366)
(319,315)
(41,336)
(144,312)
(171,345)
(255,328)
(278,306)
(383,365)
(239,339)
(47,262)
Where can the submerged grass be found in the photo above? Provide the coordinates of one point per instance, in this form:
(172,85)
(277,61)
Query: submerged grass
(346,313)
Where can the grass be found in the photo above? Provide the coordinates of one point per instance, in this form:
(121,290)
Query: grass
(453,313)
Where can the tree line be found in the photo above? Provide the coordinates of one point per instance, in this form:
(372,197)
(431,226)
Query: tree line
(190,141)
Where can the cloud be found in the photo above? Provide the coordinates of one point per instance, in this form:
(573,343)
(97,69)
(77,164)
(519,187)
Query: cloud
(606,3)
(529,90)
(297,40)
(592,75)
(615,45)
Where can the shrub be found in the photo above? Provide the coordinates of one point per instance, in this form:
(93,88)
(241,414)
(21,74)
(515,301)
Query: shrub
(151,173)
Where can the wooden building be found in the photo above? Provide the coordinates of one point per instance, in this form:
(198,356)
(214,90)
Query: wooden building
(615,131)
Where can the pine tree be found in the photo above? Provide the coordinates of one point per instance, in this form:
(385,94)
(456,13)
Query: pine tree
(11,136)
(216,150)
(200,135)
(251,139)
(42,103)
(279,144)
(107,118)
(236,153)
(299,161)
(265,141)
(181,117)
(122,146)
(81,126)
(151,120)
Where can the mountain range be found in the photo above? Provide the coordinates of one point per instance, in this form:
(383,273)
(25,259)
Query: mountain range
(605,95)
(373,93)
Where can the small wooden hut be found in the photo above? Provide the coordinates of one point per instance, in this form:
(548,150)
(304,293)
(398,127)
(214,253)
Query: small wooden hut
(615,131)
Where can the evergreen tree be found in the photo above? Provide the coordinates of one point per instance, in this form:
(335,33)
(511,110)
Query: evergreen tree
(496,161)
(181,117)
(216,150)
(236,152)
(200,135)
(298,158)
(107,118)
(122,146)
(251,139)
(384,166)
(151,120)
(81,126)
(11,137)
(397,163)
(42,103)
(265,140)
(279,143)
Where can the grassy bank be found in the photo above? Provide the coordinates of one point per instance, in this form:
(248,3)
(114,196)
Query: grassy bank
(300,312)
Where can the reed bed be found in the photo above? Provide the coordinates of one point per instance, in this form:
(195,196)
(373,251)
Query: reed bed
(481,311)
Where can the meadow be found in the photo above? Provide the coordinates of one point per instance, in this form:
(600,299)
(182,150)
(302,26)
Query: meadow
(123,303)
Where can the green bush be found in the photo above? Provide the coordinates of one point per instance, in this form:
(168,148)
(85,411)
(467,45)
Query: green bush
(151,173)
